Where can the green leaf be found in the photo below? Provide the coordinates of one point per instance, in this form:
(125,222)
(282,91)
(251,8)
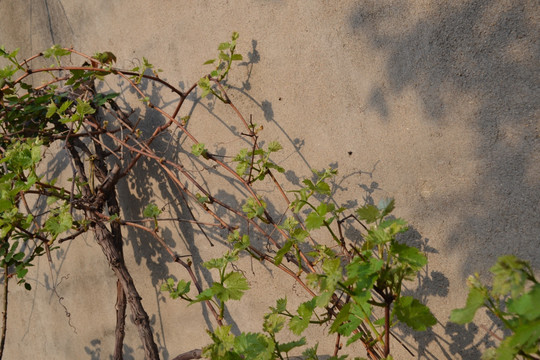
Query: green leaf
(333,274)
(323,188)
(65,105)
(526,336)
(84,108)
(281,252)
(242,168)
(5,204)
(274,146)
(207,294)
(211,61)
(21,272)
(218,263)
(55,51)
(254,346)
(14,53)
(198,149)
(354,338)
(413,313)
(146,64)
(236,57)
(224,57)
(510,275)
(341,317)
(273,323)
(204,84)
(224,46)
(394,226)
(151,211)
(369,213)
(376,236)
(236,284)
(323,298)
(281,306)
(106,57)
(298,325)
(363,273)
(271,165)
(51,110)
(183,287)
(527,305)
(314,221)
(356,316)
(223,343)
(408,255)
(101,99)
(59,223)
(504,352)
(311,353)
(287,347)
(202,199)
(252,208)
(305,310)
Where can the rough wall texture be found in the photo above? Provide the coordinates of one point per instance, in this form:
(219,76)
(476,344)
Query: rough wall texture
(435,103)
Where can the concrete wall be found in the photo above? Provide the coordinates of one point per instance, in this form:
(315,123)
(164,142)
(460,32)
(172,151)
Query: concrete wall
(435,103)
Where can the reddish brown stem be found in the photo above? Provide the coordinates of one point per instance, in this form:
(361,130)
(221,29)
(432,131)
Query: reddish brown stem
(337,347)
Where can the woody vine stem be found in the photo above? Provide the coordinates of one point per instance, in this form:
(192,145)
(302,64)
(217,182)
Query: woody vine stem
(348,279)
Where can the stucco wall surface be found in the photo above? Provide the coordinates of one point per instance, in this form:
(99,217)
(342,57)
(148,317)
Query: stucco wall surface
(434,103)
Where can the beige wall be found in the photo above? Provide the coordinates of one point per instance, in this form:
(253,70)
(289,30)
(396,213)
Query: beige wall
(432,102)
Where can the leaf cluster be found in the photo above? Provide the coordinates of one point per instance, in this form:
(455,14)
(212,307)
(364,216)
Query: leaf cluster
(256,163)
(513,297)
(227,55)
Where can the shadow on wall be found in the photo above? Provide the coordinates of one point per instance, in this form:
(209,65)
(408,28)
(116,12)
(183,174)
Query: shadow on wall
(490,52)
(486,52)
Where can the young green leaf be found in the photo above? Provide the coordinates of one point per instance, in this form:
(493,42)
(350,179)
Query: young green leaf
(224,46)
(151,211)
(274,146)
(236,284)
(198,149)
(56,51)
(273,323)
